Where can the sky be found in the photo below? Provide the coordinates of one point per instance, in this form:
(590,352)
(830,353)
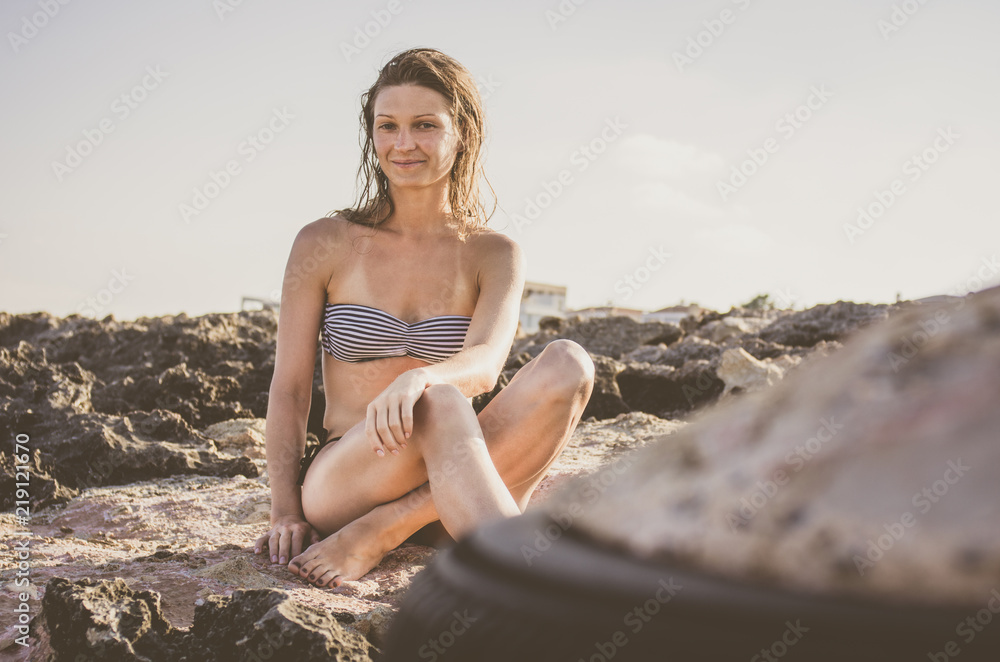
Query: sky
(160,157)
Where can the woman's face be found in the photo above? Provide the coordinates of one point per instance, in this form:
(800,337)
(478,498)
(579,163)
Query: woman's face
(414,136)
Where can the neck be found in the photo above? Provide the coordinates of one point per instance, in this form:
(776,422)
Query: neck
(420,211)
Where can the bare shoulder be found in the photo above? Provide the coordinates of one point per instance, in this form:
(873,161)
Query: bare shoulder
(328,228)
(498,257)
(495,247)
(315,252)
(322,240)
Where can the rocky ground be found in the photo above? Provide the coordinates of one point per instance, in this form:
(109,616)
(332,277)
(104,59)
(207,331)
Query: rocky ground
(146,464)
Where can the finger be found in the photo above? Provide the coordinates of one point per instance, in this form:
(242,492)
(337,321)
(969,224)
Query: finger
(272,545)
(382,425)
(406,417)
(396,425)
(370,432)
(314,536)
(283,546)
(297,537)
(260,544)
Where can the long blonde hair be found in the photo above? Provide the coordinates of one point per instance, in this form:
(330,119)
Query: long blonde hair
(432,69)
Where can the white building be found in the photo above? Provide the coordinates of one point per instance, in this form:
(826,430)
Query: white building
(540,300)
(672,314)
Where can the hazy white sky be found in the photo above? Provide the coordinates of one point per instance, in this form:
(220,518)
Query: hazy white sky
(116,112)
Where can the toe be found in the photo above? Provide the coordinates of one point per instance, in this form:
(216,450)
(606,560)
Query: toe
(327,579)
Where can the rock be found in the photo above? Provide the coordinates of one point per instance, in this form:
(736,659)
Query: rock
(645,354)
(870,473)
(719,331)
(374,625)
(106,620)
(238,572)
(606,399)
(241,436)
(690,348)
(666,391)
(833,321)
(738,369)
(609,336)
(73,445)
(268,622)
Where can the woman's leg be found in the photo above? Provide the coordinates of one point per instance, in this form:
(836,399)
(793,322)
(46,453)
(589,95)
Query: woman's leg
(367,505)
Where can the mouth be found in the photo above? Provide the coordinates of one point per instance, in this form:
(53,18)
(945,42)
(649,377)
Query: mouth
(406,164)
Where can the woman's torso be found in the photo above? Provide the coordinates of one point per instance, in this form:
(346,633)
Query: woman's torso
(411,280)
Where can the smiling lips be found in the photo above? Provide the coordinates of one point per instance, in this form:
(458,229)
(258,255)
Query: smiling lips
(406,164)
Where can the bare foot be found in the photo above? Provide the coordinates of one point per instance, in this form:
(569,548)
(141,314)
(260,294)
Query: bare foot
(343,556)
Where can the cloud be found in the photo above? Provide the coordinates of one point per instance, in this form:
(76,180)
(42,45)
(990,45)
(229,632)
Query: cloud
(654,158)
(660,197)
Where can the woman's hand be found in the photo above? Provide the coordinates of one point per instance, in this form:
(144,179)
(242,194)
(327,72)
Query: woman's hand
(289,535)
(389,420)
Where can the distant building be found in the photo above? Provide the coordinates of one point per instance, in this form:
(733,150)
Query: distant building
(540,300)
(672,314)
(256,303)
(607,311)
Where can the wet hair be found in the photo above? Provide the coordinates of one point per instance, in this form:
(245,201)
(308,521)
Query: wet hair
(432,69)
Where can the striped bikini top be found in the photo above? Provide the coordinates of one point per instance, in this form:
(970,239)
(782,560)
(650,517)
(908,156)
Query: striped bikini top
(355,333)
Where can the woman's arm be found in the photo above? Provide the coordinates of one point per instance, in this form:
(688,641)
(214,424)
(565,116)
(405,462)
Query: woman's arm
(303,294)
(477,366)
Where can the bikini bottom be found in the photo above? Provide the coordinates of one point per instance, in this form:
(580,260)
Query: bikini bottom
(311,452)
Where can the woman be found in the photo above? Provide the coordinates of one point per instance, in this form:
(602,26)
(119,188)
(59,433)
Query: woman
(417,304)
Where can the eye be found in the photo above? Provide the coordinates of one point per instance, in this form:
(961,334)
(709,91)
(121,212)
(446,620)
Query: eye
(427,125)
(386,126)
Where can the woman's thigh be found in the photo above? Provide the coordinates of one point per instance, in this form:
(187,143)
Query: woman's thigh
(347,480)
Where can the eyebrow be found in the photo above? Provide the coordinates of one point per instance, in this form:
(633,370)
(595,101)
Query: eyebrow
(416,117)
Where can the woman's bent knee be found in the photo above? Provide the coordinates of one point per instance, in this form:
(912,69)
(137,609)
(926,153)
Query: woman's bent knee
(440,404)
(569,363)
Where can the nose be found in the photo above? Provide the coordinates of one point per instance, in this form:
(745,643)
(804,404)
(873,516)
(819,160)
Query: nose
(404,141)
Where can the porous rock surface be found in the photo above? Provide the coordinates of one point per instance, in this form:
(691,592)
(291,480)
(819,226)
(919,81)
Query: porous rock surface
(869,473)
